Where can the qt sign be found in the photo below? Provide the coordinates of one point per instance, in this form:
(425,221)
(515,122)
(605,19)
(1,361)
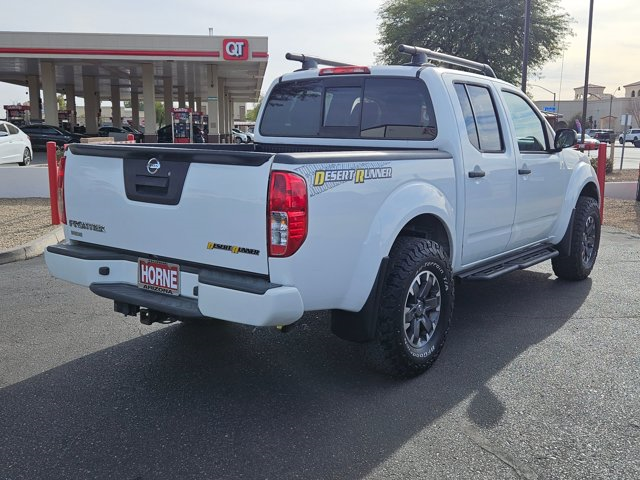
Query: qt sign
(235,49)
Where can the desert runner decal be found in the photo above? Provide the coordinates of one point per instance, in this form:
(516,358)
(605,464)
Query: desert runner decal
(324,177)
(232,248)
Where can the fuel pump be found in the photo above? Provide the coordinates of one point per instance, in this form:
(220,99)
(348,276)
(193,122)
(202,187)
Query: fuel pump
(181,125)
(197,119)
(17,114)
(64,120)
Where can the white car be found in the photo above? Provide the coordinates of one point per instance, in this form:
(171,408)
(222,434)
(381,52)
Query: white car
(15,146)
(631,136)
(239,136)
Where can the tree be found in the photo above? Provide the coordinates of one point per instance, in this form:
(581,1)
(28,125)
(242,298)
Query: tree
(487,31)
(160,114)
(252,114)
(634,109)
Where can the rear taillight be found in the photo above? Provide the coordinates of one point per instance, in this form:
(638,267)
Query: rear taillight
(61,210)
(287,214)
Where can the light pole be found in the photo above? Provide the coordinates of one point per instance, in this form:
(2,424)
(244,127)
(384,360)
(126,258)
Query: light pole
(552,93)
(525,53)
(586,70)
(610,105)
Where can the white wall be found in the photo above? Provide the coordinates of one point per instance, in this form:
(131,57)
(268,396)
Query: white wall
(24,182)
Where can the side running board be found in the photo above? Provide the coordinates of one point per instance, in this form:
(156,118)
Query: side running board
(523,259)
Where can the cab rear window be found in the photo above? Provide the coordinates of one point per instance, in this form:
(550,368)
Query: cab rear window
(357,107)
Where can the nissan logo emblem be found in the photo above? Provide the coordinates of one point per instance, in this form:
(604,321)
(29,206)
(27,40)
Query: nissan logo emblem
(153,165)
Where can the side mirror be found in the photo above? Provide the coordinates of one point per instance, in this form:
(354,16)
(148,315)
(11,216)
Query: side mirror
(565,138)
(4,134)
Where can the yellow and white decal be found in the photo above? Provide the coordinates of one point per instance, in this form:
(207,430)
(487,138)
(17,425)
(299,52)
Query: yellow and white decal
(323,177)
(232,248)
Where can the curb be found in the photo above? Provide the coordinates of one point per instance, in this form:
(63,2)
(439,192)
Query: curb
(33,248)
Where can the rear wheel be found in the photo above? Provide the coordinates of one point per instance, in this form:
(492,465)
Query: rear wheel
(26,158)
(585,241)
(415,308)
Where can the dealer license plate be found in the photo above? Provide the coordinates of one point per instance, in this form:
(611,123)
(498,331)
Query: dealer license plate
(157,276)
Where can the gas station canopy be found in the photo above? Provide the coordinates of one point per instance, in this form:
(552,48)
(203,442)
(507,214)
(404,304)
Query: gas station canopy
(99,67)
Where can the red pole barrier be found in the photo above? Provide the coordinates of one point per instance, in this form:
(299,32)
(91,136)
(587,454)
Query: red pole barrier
(130,137)
(638,187)
(52,162)
(602,171)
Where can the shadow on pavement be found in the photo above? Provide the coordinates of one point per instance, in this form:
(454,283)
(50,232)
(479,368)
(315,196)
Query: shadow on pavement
(223,401)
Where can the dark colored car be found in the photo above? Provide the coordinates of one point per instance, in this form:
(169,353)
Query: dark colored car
(165,136)
(137,134)
(41,133)
(603,134)
(121,133)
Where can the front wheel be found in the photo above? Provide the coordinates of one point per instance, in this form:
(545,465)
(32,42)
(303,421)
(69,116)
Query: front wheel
(415,308)
(26,158)
(585,241)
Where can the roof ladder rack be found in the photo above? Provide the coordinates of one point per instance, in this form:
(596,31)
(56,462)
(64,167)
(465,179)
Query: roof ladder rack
(420,56)
(309,62)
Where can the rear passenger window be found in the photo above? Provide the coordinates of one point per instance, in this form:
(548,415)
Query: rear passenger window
(12,129)
(467,113)
(480,117)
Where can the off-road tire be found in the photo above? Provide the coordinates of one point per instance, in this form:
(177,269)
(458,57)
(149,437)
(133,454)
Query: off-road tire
(585,241)
(392,351)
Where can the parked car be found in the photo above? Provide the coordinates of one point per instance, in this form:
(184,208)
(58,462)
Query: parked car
(603,134)
(15,146)
(165,135)
(590,143)
(137,134)
(119,133)
(40,134)
(631,136)
(239,136)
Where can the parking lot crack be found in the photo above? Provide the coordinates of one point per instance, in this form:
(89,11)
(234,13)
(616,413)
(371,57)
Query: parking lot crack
(476,436)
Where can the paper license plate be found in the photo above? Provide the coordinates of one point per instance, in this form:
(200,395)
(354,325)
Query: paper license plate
(157,276)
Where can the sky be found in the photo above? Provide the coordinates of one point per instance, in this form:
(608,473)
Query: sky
(343,30)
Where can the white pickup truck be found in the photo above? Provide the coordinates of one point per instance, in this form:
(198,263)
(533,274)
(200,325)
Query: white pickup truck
(369,191)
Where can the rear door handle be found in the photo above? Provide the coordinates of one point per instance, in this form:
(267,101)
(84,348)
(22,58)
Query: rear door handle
(476,174)
(524,171)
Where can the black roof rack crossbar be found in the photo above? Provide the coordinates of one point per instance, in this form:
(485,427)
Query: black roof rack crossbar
(309,62)
(420,56)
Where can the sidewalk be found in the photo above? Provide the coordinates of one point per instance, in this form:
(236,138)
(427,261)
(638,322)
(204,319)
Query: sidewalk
(25,228)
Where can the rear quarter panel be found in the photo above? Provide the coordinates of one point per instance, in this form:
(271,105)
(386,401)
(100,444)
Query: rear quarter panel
(354,218)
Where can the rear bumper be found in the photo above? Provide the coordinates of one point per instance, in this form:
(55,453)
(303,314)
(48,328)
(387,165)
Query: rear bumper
(204,292)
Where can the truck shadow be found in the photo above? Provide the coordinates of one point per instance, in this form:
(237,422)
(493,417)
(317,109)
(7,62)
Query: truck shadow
(223,401)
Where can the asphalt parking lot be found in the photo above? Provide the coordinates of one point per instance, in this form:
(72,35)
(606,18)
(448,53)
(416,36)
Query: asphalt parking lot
(539,378)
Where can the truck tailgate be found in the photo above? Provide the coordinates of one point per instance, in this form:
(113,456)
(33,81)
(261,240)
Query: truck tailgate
(187,204)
